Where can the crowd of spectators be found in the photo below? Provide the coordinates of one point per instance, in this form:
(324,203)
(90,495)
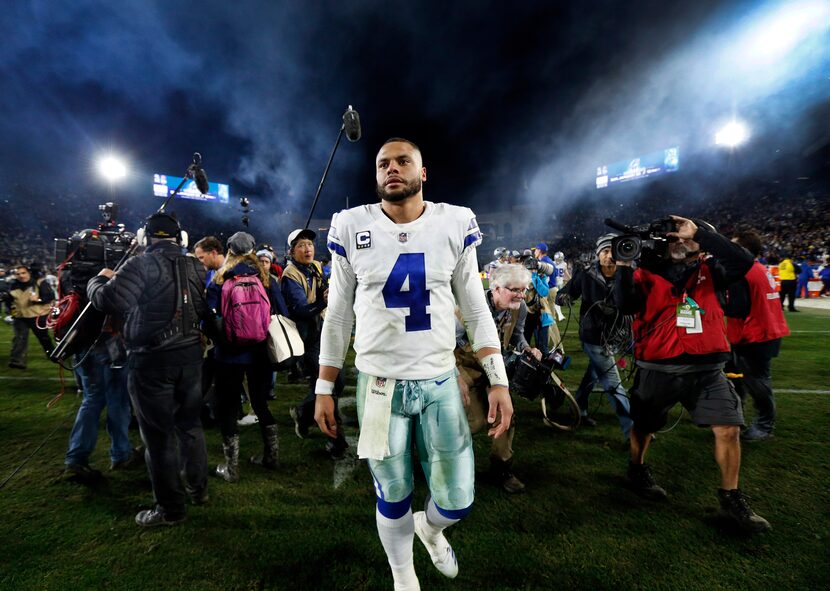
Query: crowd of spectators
(794,220)
(790,221)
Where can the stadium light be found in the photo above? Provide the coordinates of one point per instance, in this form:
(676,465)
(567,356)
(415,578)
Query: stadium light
(732,134)
(111,168)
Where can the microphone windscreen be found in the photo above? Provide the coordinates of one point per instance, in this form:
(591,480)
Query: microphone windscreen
(200,178)
(351,124)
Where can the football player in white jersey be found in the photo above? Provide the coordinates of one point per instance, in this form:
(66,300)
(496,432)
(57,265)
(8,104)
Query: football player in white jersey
(398,269)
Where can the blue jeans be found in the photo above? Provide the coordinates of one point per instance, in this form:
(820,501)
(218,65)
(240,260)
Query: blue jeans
(602,368)
(103,386)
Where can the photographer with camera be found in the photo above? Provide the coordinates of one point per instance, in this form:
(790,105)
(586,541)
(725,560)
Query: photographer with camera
(681,347)
(31,297)
(539,317)
(306,293)
(506,299)
(160,294)
(603,330)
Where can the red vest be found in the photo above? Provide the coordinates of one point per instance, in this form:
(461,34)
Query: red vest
(656,334)
(766,318)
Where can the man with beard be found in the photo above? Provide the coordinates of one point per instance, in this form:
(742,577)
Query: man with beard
(506,299)
(398,268)
(681,349)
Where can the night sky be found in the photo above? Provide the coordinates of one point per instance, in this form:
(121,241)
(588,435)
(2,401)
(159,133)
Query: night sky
(511,102)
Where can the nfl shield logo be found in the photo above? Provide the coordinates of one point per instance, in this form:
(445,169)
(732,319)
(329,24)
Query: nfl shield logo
(380,382)
(403,237)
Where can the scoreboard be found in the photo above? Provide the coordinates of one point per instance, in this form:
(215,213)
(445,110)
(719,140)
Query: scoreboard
(165,184)
(650,165)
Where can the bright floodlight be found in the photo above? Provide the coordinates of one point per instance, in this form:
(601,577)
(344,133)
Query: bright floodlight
(733,134)
(112,168)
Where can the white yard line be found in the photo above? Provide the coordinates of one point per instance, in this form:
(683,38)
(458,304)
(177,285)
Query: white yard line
(344,467)
(801,391)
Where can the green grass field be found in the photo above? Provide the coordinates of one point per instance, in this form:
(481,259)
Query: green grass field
(576,527)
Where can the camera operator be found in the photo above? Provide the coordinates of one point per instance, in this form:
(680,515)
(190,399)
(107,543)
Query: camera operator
(539,317)
(755,326)
(306,293)
(160,293)
(31,297)
(681,348)
(602,330)
(508,285)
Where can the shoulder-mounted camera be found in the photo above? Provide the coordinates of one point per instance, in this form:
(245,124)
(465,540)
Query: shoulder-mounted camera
(650,239)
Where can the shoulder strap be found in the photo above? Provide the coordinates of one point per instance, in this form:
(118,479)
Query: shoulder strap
(508,330)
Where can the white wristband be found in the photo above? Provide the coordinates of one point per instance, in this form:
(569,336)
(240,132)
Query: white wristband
(493,366)
(324,388)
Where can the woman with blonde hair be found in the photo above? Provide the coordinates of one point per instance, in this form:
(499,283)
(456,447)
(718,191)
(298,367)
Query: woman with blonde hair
(235,361)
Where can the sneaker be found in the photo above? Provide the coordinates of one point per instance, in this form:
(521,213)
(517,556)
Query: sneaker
(512,484)
(733,504)
(755,433)
(248,420)
(197,497)
(15,365)
(136,457)
(643,483)
(587,421)
(153,517)
(299,429)
(82,473)
(438,547)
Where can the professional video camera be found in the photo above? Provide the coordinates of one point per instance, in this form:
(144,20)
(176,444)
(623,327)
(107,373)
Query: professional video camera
(79,258)
(530,376)
(86,252)
(531,379)
(647,240)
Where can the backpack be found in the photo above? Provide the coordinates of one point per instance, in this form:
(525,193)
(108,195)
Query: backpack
(246,310)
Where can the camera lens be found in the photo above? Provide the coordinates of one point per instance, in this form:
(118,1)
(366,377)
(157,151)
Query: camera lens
(625,248)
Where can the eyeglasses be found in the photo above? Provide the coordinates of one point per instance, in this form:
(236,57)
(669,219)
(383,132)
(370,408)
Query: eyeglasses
(519,291)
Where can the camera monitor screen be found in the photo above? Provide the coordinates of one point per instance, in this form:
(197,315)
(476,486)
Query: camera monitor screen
(638,168)
(165,184)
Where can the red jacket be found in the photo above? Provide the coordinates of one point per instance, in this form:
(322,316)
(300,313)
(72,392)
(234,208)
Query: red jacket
(656,333)
(765,321)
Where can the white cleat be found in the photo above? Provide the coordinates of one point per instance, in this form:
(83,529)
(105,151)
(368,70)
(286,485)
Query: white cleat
(437,545)
(406,579)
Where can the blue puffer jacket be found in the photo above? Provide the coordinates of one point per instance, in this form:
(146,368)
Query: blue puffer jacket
(226,353)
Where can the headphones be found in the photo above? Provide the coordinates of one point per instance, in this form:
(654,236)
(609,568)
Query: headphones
(142,237)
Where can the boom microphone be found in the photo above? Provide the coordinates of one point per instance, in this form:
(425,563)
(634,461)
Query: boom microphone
(199,176)
(351,124)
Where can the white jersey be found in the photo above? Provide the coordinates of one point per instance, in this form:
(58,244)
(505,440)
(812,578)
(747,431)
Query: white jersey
(560,269)
(400,283)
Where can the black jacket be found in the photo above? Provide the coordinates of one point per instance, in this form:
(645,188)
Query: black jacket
(598,315)
(146,293)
